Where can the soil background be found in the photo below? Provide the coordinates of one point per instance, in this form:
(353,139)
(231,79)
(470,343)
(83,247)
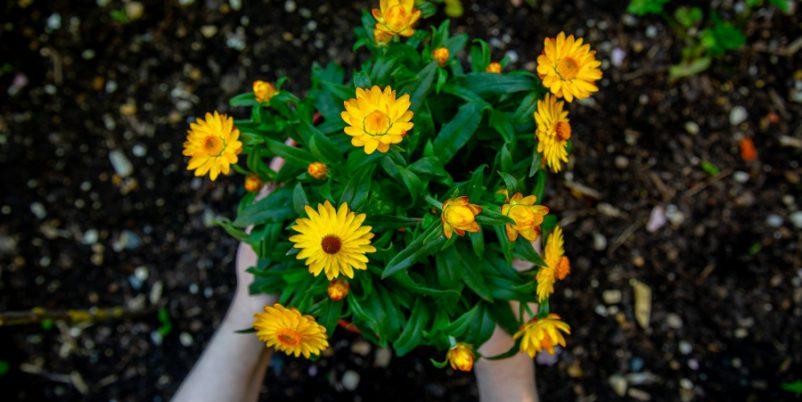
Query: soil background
(97,209)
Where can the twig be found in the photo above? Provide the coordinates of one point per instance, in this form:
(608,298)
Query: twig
(37,315)
(701,186)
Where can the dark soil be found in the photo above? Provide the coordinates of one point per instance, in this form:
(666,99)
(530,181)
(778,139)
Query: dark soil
(725,270)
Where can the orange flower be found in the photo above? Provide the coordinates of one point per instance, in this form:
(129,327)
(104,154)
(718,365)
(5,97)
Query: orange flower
(527,217)
(494,68)
(338,289)
(440,55)
(263,91)
(459,215)
(252,183)
(318,170)
(461,357)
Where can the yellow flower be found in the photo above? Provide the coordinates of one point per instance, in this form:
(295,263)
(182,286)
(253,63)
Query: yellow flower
(527,217)
(557,265)
(542,334)
(459,215)
(332,240)
(382,38)
(461,357)
(494,68)
(338,289)
(252,183)
(318,170)
(568,68)
(395,17)
(212,145)
(553,131)
(376,119)
(290,332)
(263,91)
(440,55)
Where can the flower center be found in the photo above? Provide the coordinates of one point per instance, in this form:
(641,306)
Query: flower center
(377,123)
(213,145)
(567,68)
(331,244)
(563,130)
(289,337)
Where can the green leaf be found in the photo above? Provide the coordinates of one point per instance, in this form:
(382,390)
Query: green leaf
(457,132)
(461,259)
(247,99)
(276,207)
(502,123)
(356,191)
(290,154)
(793,387)
(424,82)
(487,84)
(413,330)
(480,55)
(299,200)
(413,183)
(408,255)
(643,7)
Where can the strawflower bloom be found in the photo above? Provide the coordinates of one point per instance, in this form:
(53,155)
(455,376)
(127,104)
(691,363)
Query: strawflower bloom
(527,217)
(263,91)
(318,170)
(212,145)
(553,131)
(461,357)
(338,289)
(395,17)
(334,241)
(377,119)
(290,332)
(557,264)
(459,215)
(253,183)
(494,68)
(440,55)
(542,334)
(568,68)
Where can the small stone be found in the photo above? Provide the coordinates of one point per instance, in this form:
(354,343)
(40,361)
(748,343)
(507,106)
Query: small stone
(608,210)
(738,115)
(129,108)
(360,348)
(186,339)
(38,210)
(674,321)
(651,31)
(122,166)
(54,22)
(692,127)
(740,177)
(693,364)
(618,383)
(383,357)
(156,292)
(599,242)
(774,221)
(621,162)
(141,273)
(350,380)
(674,215)
(612,296)
(617,56)
(741,333)
(657,219)
(134,10)
(796,219)
(156,337)
(90,237)
(685,347)
(290,6)
(208,31)
(638,394)
(685,383)
(636,364)
(139,150)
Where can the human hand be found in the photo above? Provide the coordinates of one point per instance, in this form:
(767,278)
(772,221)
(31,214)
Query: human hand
(513,378)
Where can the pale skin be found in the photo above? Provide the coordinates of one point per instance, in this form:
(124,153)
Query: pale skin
(232,368)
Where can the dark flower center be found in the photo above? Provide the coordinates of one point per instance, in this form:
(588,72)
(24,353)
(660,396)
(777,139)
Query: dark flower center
(331,244)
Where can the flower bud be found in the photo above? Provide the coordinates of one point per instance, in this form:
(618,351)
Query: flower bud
(459,215)
(440,55)
(461,357)
(318,170)
(494,68)
(338,289)
(263,91)
(253,183)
